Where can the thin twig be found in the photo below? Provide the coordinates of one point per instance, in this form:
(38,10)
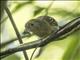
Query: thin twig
(52,37)
(3,44)
(48,8)
(33,53)
(16,30)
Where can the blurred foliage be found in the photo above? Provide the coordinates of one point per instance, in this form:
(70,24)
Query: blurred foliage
(38,10)
(69,45)
(12,57)
(20,5)
(73,50)
(16,8)
(64,13)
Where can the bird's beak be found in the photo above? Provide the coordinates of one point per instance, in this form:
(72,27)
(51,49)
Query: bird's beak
(26,33)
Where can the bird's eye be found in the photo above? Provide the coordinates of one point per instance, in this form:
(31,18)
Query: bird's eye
(50,18)
(31,24)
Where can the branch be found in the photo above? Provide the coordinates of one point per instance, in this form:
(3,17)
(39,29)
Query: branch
(71,26)
(16,30)
(3,44)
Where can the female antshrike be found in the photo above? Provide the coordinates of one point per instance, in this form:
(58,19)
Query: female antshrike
(42,27)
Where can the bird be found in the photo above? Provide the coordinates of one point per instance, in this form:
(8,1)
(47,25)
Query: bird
(42,27)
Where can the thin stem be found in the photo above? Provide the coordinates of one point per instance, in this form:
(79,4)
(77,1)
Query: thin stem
(33,53)
(47,9)
(16,31)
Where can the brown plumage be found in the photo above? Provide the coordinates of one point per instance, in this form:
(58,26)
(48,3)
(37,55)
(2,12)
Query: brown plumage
(41,26)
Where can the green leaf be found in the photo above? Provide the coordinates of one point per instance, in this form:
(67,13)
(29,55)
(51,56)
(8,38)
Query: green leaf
(12,57)
(19,6)
(38,10)
(73,50)
(63,12)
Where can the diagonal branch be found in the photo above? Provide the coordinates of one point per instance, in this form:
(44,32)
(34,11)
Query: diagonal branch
(67,28)
(16,30)
(3,44)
